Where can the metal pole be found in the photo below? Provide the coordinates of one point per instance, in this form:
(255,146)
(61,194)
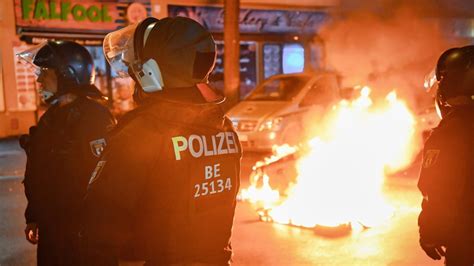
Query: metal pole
(231,52)
(110,93)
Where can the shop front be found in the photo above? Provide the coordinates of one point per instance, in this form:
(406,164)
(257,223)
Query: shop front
(275,38)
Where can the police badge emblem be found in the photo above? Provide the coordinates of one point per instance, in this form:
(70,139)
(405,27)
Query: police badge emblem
(97,146)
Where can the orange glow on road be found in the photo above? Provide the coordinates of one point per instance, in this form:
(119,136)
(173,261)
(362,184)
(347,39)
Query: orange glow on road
(340,171)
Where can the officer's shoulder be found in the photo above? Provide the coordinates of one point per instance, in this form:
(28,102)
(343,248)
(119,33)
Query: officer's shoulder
(455,123)
(140,126)
(452,129)
(228,122)
(95,109)
(93,105)
(138,136)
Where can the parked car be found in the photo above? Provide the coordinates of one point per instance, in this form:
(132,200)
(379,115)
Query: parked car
(274,112)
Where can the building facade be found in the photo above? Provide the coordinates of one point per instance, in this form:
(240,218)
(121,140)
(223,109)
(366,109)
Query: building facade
(276,37)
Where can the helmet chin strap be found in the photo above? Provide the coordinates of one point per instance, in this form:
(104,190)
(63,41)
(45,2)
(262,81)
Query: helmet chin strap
(46,96)
(442,107)
(57,98)
(460,100)
(138,94)
(49,98)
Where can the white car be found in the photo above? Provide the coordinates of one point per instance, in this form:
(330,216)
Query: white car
(274,113)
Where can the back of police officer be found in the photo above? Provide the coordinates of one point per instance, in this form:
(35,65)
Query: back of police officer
(447,175)
(62,149)
(165,189)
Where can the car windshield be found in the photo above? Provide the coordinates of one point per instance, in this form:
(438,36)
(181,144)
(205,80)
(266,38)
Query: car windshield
(278,89)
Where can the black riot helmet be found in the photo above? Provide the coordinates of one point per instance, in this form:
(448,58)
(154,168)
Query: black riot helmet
(184,50)
(167,56)
(72,63)
(454,75)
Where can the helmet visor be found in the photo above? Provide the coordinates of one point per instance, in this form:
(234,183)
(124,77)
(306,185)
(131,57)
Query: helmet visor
(36,56)
(119,50)
(431,83)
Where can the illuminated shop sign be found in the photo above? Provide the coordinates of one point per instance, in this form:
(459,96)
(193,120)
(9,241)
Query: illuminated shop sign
(255,20)
(91,16)
(63,11)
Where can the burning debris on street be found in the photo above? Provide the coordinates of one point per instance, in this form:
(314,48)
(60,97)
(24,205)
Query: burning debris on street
(334,179)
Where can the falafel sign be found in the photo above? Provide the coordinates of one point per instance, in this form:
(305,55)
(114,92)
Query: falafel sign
(75,16)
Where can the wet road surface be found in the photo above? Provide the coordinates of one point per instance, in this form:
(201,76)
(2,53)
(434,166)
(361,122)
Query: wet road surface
(255,243)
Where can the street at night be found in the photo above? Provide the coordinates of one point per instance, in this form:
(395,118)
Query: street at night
(255,243)
(236,132)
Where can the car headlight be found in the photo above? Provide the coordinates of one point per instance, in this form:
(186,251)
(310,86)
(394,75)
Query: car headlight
(271,124)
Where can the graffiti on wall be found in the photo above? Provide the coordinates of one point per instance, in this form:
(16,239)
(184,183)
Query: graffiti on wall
(255,20)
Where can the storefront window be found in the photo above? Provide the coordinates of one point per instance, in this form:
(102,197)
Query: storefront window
(122,92)
(272,60)
(248,69)
(282,58)
(293,58)
(100,67)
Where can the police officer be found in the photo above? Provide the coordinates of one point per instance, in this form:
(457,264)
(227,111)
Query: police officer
(167,183)
(62,149)
(446,221)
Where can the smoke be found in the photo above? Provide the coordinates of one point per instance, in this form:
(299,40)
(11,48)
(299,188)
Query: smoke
(386,46)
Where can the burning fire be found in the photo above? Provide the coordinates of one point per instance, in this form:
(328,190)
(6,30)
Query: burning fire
(265,194)
(340,172)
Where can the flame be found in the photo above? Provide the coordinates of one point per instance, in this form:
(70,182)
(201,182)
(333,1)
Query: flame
(341,171)
(264,194)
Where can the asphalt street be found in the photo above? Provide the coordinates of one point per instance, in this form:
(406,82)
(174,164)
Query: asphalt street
(255,243)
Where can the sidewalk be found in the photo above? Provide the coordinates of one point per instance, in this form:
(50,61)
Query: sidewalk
(14,249)
(12,159)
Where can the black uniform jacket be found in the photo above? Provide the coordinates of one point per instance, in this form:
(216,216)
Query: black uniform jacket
(447,179)
(62,151)
(167,185)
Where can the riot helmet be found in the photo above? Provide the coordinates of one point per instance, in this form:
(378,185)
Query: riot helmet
(453,79)
(164,56)
(70,61)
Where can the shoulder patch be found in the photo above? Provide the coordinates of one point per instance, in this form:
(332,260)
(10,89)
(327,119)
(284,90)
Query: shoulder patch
(97,170)
(431,156)
(97,146)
